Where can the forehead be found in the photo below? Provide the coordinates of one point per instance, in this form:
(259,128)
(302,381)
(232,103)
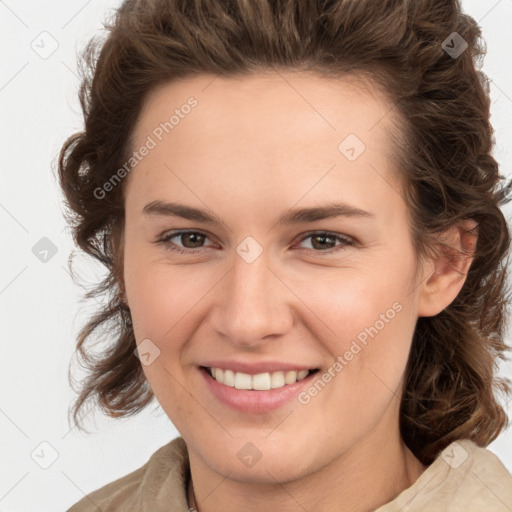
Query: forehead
(263,130)
(297,106)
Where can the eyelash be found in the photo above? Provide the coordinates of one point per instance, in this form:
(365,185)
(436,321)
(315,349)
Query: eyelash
(165,241)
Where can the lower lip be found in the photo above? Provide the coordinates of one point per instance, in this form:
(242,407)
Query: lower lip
(255,401)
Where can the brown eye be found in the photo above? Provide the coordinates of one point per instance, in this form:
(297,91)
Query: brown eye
(324,242)
(194,239)
(190,240)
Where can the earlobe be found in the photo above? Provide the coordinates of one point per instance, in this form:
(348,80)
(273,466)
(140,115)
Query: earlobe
(448,271)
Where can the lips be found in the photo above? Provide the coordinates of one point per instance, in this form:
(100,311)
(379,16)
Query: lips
(254,390)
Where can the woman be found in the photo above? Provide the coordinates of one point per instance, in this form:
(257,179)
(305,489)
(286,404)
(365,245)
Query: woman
(300,216)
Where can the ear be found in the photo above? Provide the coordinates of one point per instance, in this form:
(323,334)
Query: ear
(446,273)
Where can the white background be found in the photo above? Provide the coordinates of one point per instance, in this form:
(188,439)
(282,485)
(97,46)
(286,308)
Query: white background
(40,306)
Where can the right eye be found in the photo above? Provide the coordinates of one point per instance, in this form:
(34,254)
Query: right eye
(193,237)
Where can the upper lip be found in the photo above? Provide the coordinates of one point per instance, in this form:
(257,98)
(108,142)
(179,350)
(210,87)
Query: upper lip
(257,367)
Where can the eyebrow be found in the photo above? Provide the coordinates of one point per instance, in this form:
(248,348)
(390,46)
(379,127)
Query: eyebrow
(293,216)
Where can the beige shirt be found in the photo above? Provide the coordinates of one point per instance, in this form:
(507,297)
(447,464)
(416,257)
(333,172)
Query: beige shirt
(463,478)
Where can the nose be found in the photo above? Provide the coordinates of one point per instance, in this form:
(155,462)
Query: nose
(253,303)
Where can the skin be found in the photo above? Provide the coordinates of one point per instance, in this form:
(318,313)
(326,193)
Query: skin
(253,148)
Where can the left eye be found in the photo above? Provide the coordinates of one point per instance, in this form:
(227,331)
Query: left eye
(196,238)
(330,238)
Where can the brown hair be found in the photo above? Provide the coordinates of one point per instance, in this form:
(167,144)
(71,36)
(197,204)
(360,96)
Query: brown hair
(443,145)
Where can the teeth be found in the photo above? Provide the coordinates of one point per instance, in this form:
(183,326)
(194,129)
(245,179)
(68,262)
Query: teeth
(243,381)
(290,377)
(229,378)
(260,381)
(277,380)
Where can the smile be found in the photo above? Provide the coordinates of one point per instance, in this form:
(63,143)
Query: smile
(256,393)
(259,382)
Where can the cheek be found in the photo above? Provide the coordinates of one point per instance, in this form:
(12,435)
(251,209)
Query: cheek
(164,306)
(160,295)
(369,350)
(356,305)
(366,322)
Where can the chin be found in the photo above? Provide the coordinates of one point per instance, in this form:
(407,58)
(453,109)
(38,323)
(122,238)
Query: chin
(259,463)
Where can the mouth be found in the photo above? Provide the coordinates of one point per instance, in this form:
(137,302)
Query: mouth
(258,382)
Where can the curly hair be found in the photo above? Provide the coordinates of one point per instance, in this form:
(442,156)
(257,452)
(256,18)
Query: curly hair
(442,149)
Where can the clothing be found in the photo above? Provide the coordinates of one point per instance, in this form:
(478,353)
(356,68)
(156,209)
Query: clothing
(464,477)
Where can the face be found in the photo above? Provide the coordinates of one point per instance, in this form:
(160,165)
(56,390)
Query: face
(266,279)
